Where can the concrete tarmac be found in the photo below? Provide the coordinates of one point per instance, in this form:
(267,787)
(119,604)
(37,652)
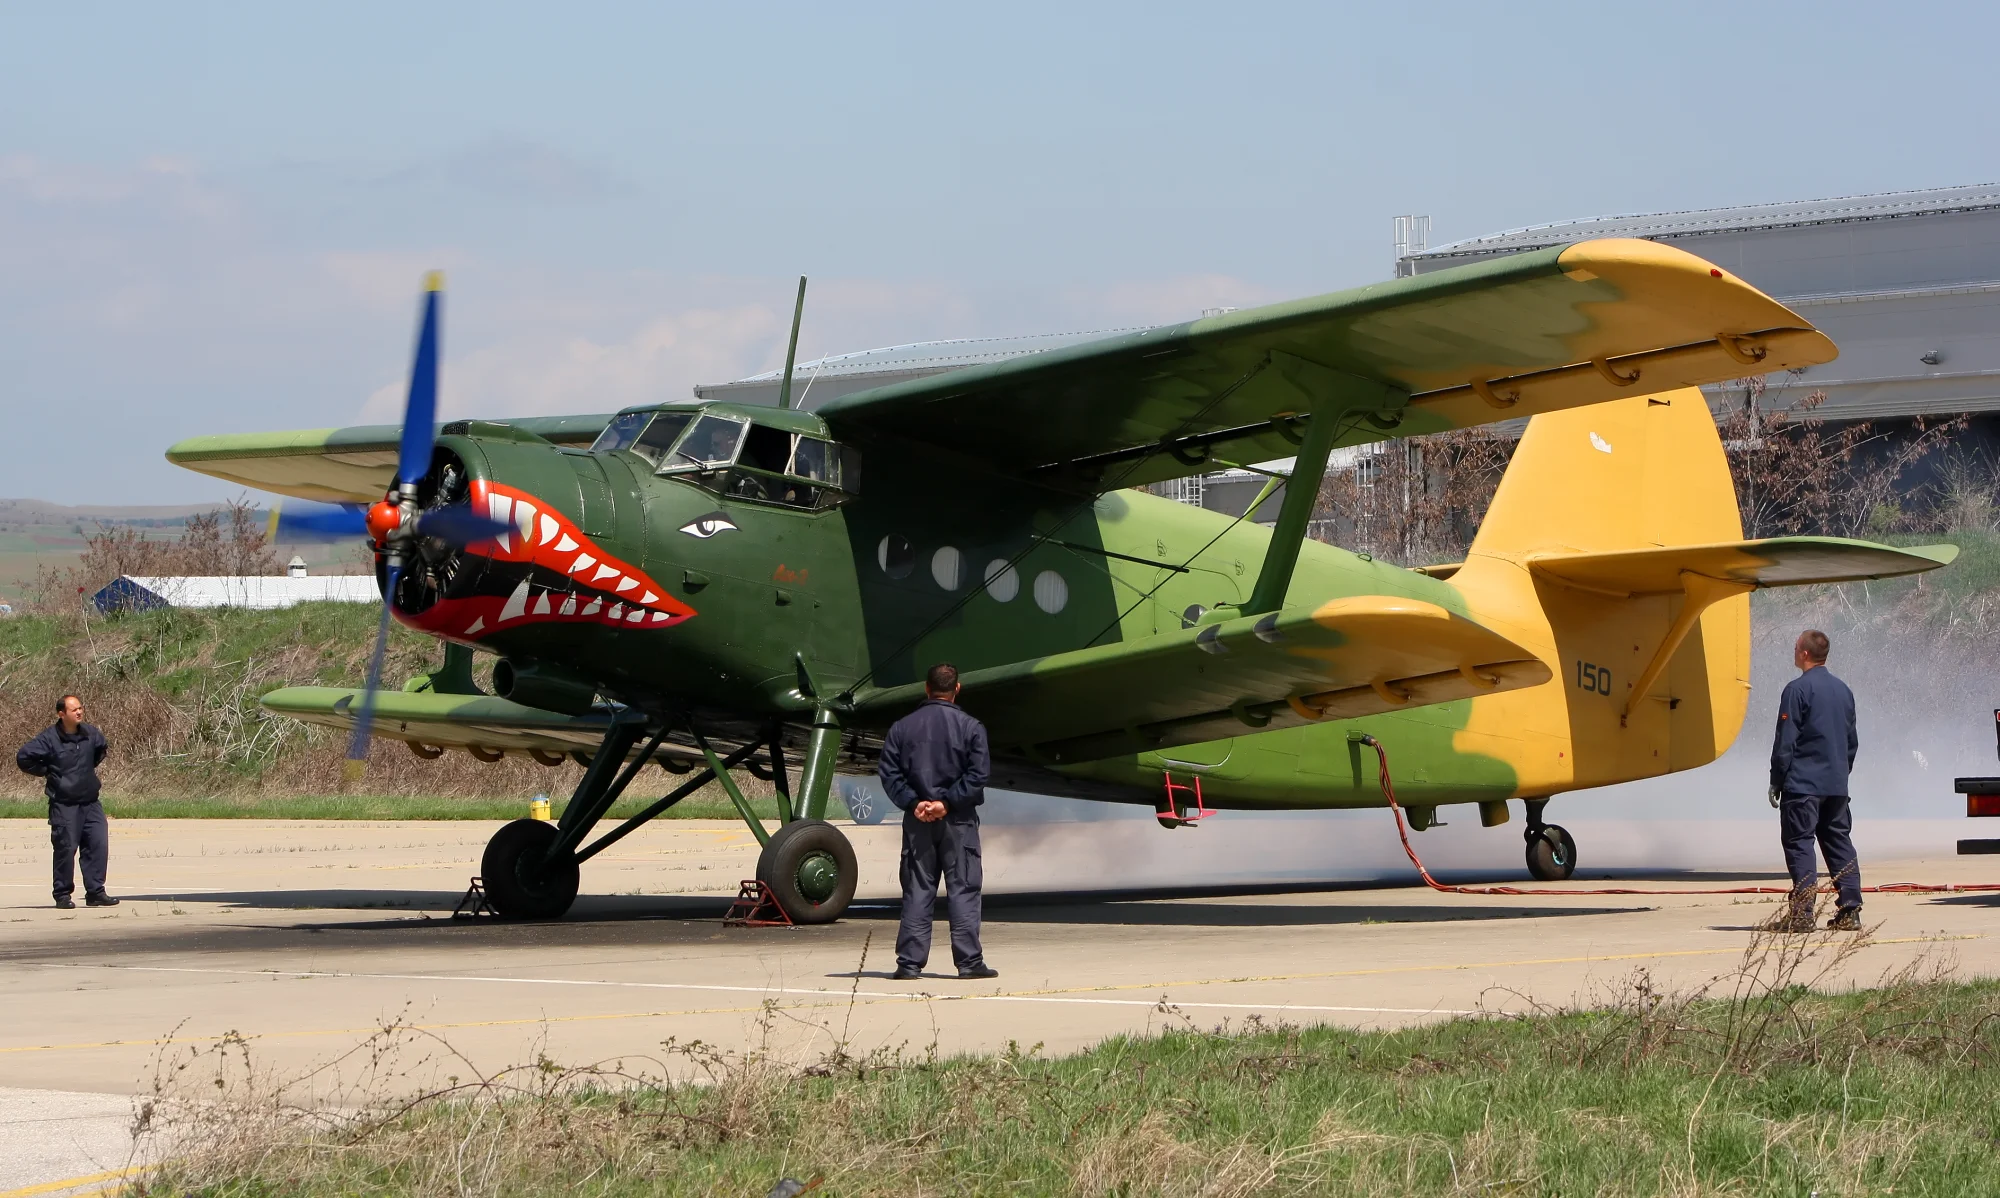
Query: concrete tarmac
(286,948)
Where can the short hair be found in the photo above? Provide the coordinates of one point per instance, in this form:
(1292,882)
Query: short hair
(62,704)
(1814,642)
(942,679)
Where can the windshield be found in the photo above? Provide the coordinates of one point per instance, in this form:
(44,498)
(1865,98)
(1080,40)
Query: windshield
(816,460)
(620,433)
(659,436)
(709,445)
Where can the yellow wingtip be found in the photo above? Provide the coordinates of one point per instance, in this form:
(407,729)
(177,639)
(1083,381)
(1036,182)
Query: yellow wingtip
(351,770)
(434,281)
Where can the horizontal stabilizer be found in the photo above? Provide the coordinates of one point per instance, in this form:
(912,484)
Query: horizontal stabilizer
(1774,562)
(1348,657)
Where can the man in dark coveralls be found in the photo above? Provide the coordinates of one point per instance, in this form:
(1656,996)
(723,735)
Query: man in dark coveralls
(1810,760)
(65,756)
(934,766)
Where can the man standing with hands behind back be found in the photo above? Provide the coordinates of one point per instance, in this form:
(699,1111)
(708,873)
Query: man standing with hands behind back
(1811,757)
(934,767)
(66,756)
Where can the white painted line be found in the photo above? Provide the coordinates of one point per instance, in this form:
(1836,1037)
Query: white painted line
(796,990)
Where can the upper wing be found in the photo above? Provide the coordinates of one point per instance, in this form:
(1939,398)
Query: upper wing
(1491,341)
(1348,657)
(1775,562)
(337,465)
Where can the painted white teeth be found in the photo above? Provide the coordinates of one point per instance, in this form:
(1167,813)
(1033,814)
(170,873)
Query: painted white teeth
(566,544)
(517,603)
(542,604)
(549,529)
(637,615)
(627,584)
(658,616)
(649,598)
(590,609)
(603,572)
(475,626)
(524,519)
(617,612)
(583,562)
(568,607)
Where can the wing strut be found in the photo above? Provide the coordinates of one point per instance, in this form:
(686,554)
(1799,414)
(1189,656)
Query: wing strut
(1330,395)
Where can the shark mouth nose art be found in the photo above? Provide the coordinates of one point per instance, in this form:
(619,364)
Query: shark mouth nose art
(544,571)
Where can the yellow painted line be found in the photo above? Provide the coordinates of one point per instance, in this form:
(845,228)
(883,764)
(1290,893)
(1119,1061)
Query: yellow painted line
(50,1187)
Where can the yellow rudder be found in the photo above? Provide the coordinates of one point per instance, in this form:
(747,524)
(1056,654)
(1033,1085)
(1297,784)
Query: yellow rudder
(1635,473)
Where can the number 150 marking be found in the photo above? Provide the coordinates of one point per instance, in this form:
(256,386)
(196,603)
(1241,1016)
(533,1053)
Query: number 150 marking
(1596,679)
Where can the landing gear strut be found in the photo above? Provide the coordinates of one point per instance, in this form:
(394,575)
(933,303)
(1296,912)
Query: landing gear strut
(1551,849)
(531,869)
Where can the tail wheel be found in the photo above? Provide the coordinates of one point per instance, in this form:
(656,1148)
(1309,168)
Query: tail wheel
(520,881)
(809,867)
(1551,853)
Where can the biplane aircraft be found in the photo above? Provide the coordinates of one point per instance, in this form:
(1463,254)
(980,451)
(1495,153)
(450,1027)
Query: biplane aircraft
(713,587)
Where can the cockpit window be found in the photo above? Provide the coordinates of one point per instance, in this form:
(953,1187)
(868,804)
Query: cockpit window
(659,436)
(816,460)
(710,445)
(621,432)
(754,461)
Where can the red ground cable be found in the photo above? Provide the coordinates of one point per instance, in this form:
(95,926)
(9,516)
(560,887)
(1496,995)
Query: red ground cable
(1402,833)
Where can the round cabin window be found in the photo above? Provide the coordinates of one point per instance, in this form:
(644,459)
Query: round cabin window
(1051,592)
(948,568)
(896,556)
(1002,582)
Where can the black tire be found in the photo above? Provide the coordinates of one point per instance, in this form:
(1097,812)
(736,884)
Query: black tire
(518,882)
(1551,854)
(810,868)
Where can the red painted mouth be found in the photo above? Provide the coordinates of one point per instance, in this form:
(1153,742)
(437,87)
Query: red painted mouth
(545,572)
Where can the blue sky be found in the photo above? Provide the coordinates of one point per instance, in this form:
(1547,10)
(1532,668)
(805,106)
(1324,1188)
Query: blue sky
(214,218)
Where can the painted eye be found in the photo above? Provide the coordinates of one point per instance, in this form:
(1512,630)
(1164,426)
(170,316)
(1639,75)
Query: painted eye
(707,526)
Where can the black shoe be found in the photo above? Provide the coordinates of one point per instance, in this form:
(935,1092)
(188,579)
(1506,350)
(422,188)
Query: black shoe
(907,973)
(65,903)
(1848,920)
(1789,923)
(99,900)
(975,972)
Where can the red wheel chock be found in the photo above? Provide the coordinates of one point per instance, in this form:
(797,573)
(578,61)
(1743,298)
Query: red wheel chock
(756,907)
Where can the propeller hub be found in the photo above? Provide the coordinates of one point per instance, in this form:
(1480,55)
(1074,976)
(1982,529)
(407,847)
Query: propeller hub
(384,519)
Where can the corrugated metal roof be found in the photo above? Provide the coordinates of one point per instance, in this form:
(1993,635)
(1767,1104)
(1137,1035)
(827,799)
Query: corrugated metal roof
(1703,221)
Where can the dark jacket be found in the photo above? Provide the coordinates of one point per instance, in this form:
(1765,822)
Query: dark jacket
(67,763)
(936,752)
(1815,747)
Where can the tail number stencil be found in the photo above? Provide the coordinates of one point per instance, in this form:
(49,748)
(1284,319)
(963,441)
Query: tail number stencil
(1595,679)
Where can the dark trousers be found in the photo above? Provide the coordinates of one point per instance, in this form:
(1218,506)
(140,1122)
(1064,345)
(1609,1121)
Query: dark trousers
(1804,819)
(948,848)
(79,828)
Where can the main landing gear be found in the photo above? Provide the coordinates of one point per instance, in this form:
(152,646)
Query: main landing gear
(531,868)
(1551,849)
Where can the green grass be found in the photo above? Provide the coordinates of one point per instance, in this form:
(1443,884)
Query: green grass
(1768,1089)
(708,803)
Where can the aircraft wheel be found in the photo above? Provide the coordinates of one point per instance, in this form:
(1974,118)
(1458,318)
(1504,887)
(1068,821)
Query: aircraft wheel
(519,883)
(810,868)
(1551,853)
(862,802)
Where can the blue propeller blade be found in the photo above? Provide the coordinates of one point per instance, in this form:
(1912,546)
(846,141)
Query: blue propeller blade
(460,525)
(319,519)
(364,723)
(420,412)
